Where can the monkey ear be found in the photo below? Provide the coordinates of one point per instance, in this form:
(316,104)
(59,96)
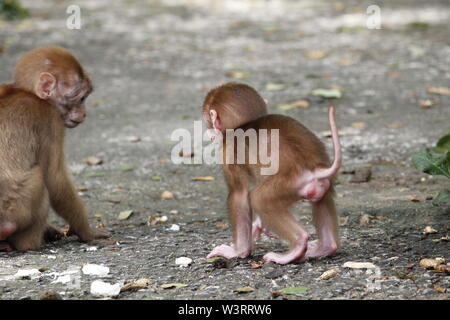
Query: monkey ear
(215,120)
(45,85)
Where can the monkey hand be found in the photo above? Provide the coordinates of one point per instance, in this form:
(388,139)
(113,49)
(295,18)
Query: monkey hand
(90,235)
(52,234)
(227,252)
(5,246)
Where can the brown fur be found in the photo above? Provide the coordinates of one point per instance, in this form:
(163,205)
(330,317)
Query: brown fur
(33,173)
(239,106)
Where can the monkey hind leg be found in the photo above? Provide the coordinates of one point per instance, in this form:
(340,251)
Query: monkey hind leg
(276,217)
(325,219)
(30,213)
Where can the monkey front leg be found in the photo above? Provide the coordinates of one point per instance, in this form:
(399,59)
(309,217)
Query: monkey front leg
(68,205)
(241,223)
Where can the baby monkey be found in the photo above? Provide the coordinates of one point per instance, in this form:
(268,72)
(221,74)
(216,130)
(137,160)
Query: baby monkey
(304,173)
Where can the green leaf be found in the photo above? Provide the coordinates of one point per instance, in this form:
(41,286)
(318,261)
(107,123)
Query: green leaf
(327,93)
(275,86)
(432,163)
(125,214)
(443,144)
(126,168)
(11,9)
(442,197)
(94,175)
(294,290)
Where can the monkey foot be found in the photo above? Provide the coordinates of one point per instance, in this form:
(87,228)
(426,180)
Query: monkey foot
(227,252)
(315,250)
(52,234)
(5,246)
(92,235)
(295,255)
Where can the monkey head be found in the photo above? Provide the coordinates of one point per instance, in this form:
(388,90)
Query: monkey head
(230,106)
(53,74)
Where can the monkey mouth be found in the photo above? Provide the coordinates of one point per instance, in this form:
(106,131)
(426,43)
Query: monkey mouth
(71,124)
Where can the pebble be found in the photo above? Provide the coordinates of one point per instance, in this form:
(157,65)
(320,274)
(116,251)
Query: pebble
(50,295)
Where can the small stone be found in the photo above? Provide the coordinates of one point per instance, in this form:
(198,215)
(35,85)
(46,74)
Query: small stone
(50,295)
(361,175)
(183,261)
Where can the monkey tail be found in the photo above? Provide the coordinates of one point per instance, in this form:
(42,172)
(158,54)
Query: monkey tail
(326,173)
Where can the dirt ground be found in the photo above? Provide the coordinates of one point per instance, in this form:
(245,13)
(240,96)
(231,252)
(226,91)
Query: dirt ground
(152,62)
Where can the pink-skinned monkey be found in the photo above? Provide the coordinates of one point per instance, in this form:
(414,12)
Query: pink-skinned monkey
(258,201)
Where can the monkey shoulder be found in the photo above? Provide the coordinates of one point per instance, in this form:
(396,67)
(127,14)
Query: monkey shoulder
(281,122)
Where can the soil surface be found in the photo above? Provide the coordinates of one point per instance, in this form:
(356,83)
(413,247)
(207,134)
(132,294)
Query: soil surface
(152,62)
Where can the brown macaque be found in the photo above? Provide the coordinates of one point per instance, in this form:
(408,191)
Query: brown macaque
(48,94)
(304,173)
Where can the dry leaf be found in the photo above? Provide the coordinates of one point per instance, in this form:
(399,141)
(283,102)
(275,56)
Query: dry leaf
(394,74)
(173,285)
(431,263)
(439,289)
(364,220)
(245,290)
(135,284)
(429,230)
(439,90)
(237,74)
(329,274)
(275,86)
(256,265)
(207,178)
(442,268)
(134,139)
(92,161)
(359,265)
(83,189)
(315,54)
(415,200)
(427,103)
(395,125)
(296,104)
(167,195)
(222,225)
(359,124)
(344,62)
(151,221)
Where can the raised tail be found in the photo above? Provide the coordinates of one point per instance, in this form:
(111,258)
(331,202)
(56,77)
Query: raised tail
(328,173)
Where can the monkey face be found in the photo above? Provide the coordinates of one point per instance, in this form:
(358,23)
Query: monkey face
(69,96)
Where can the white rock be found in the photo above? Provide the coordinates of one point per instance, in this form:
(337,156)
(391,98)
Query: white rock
(91,249)
(95,270)
(67,278)
(174,227)
(183,261)
(163,219)
(27,273)
(103,289)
